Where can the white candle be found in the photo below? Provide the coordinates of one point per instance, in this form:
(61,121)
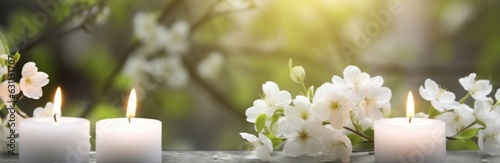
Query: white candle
(45,140)
(128,139)
(399,140)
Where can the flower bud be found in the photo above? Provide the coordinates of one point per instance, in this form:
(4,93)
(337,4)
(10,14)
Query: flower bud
(297,74)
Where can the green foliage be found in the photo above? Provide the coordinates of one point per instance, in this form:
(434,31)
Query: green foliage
(260,122)
(175,104)
(364,146)
(461,144)
(369,133)
(97,63)
(467,134)
(354,138)
(275,140)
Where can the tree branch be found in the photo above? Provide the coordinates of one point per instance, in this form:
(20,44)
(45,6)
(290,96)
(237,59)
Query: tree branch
(121,62)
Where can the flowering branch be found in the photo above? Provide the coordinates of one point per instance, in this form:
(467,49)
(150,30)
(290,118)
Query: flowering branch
(359,134)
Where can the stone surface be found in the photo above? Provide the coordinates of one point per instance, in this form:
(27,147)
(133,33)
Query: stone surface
(239,156)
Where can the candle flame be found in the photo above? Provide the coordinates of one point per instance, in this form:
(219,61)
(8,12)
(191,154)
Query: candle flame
(410,107)
(132,103)
(57,103)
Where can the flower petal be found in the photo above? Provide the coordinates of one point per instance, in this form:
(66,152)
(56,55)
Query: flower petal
(294,148)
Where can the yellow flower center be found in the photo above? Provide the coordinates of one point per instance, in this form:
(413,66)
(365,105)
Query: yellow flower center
(334,105)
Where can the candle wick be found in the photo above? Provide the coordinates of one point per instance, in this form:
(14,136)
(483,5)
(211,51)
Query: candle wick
(129,119)
(55,119)
(410,119)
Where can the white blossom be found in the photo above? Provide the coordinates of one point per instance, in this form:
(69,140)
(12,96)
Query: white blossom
(152,35)
(135,68)
(32,81)
(300,109)
(178,42)
(329,103)
(375,99)
(170,70)
(489,138)
(3,69)
(457,119)
(5,92)
(210,66)
(478,89)
(440,98)
(303,137)
(102,14)
(336,145)
(261,146)
(483,113)
(47,111)
(272,99)
(297,74)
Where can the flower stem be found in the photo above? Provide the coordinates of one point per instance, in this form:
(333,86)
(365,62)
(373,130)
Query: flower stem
(464,98)
(433,112)
(467,127)
(359,134)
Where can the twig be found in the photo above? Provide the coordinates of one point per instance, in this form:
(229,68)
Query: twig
(215,93)
(359,133)
(467,127)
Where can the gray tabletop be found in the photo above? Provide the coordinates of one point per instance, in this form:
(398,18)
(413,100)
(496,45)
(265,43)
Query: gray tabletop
(239,156)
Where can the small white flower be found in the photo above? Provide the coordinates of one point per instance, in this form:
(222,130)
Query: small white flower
(297,73)
(303,137)
(5,92)
(483,113)
(135,68)
(178,42)
(353,78)
(32,81)
(457,119)
(171,70)
(210,67)
(102,15)
(3,69)
(261,146)
(375,99)
(144,26)
(440,98)
(152,35)
(479,89)
(489,139)
(47,111)
(301,109)
(273,98)
(336,145)
(329,103)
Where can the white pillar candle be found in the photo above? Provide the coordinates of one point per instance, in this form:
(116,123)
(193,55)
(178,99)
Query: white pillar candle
(128,139)
(399,140)
(54,139)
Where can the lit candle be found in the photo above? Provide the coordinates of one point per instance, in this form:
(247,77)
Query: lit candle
(410,139)
(128,139)
(54,139)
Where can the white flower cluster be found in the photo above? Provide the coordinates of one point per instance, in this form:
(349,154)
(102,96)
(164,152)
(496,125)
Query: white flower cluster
(483,118)
(312,124)
(159,58)
(30,85)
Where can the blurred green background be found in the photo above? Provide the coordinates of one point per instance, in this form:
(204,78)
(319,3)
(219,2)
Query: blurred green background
(403,41)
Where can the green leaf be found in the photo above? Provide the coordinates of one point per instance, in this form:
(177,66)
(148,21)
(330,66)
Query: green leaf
(275,140)
(354,138)
(461,144)
(370,133)
(260,122)
(467,134)
(433,112)
(17,56)
(365,146)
